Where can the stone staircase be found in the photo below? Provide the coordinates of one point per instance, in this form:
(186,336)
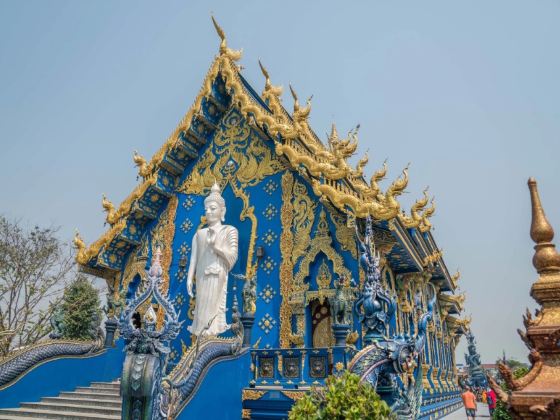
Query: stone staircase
(99,401)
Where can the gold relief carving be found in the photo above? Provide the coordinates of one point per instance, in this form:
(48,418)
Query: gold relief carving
(251,394)
(136,264)
(324,276)
(162,236)
(304,215)
(345,234)
(246,414)
(190,312)
(248,212)
(294,395)
(321,242)
(236,154)
(286,267)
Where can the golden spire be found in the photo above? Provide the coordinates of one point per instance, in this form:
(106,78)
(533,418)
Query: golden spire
(334,132)
(546,259)
(275,90)
(294,95)
(224,50)
(266,75)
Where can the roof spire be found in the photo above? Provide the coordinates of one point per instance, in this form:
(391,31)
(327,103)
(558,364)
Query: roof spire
(334,132)
(546,259)
(265,74)
(224,50)
(294,95)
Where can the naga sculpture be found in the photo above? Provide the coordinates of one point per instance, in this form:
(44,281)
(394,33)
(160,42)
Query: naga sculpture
(147,348)
(477,376)
(375,306)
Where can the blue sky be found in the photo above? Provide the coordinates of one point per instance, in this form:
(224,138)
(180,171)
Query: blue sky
(466,91)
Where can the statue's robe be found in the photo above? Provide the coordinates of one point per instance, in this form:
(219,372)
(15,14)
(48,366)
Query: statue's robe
(211,266)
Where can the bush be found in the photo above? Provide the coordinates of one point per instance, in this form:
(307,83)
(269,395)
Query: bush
(501,412)
(81,310)
(343,397)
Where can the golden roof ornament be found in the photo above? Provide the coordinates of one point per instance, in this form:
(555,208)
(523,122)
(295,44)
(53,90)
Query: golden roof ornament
(108,207)
(546,259)
(425,224)
(80,246)
(537,394)
(224,50)
(141,164)
(268,87)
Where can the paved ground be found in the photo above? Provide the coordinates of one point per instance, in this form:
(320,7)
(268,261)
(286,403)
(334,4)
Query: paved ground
(481,413)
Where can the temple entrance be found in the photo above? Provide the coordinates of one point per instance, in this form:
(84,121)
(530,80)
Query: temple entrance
(321,331)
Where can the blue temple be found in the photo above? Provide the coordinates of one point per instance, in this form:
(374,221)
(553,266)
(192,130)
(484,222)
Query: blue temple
(332,275)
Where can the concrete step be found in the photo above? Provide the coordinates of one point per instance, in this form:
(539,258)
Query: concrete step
(89,390)
(19,413)
(83,401)
(91,395)
(106,385)
(58,407)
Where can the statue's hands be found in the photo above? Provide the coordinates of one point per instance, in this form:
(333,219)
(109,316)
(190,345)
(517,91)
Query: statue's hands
(190,289)
(211,238)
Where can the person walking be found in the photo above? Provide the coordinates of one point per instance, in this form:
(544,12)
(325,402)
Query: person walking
(491,400)
(469,401)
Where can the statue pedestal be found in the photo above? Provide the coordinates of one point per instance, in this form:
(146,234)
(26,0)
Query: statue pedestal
(247,320)
(340,332)
(110,328)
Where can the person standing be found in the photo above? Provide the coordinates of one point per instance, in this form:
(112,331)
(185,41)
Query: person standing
(491,400)
(469,401)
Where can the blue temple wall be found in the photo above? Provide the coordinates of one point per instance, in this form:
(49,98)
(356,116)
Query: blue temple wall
(63,374)
(223,401)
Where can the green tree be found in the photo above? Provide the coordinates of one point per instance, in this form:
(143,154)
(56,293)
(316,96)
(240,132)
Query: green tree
(35,265)
(81,309)
(343,397)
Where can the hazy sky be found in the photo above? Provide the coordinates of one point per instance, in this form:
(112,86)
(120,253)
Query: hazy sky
(467,91)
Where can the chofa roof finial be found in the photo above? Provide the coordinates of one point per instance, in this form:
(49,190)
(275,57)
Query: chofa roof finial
(546,259)
(224,50)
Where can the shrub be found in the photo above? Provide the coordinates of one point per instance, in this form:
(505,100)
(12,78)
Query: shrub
(343,397)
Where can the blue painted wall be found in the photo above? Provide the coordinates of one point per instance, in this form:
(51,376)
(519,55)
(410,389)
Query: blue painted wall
(219,395)
(62,375)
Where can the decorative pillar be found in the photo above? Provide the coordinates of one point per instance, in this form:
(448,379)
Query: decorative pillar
(248,319)
(340,332)
(111,325)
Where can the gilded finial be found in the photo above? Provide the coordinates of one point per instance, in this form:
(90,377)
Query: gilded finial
(265,74)
(108,207)
(359,171)
(546,259)
(268,87)
(80,245)
(425,224)
(78,241)
(294,95)
(141,164)
(455,278)
(224,50)
(334,132)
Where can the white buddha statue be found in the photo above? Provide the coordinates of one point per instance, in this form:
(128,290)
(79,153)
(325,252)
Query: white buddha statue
(214,252)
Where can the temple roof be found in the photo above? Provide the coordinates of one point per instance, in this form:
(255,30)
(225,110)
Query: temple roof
(326,168)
